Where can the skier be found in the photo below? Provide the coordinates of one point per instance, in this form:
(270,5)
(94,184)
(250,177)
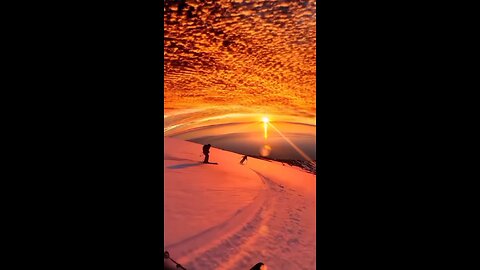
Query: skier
(206,151)
(243,159)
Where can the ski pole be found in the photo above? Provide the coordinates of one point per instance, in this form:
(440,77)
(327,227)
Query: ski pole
(167,256)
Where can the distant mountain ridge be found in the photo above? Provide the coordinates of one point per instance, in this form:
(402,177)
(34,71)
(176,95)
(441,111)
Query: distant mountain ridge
(309,166)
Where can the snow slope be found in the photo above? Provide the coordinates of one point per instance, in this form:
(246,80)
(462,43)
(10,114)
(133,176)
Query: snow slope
(231,216)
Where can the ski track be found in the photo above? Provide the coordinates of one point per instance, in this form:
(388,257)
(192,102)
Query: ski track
(270,230)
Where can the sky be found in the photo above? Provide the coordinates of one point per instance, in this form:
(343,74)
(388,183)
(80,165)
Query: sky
(228,62)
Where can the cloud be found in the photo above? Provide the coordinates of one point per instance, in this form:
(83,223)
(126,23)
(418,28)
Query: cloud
(254,54)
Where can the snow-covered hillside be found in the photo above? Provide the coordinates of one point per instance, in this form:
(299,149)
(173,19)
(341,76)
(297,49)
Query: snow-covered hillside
(231,216)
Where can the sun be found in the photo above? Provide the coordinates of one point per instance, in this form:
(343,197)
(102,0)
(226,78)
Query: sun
(265,120)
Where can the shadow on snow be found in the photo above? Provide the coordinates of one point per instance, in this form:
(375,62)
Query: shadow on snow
(181,166)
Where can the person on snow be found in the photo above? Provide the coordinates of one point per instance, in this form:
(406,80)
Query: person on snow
(243,159)
(206,151)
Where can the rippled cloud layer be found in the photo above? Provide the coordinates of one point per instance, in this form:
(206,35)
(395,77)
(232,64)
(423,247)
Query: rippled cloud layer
(257,55)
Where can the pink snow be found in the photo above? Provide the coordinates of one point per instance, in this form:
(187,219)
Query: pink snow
(231,216)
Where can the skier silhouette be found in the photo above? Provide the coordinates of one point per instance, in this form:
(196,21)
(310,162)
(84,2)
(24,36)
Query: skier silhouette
(206,151)
(243,159)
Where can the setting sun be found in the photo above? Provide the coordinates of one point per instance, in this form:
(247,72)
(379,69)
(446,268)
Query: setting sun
(265,123)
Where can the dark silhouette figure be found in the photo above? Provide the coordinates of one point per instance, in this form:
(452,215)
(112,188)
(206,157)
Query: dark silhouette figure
(243,159)
(259,266)
(206,151)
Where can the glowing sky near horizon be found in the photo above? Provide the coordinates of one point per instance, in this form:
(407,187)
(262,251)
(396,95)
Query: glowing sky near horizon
(233,62)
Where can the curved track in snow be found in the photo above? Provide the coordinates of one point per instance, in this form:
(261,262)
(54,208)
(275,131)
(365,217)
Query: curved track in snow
(272,229)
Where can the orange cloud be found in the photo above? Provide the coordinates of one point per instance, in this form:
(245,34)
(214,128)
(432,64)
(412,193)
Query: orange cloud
(253,54)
